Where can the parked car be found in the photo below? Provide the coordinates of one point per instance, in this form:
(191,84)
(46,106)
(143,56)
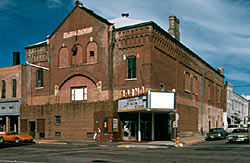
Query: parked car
(216,133)
(239,135)
(232,127)
(14,137)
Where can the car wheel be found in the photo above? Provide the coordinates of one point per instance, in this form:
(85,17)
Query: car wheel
(1,140)
(17,140)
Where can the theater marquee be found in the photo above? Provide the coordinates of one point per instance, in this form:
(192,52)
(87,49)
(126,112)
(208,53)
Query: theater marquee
(132,92)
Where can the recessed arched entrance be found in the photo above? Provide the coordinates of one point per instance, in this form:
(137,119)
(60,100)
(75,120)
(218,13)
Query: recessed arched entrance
(77,88)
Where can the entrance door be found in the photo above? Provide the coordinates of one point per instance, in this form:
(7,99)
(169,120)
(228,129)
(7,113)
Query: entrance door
(146,130)
(129,130)
(32,129)
(162,127)
(2,123)
(41,128)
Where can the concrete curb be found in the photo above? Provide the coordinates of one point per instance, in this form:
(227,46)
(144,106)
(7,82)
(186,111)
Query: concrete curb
(192,142)
(151,146)
(142,146)
(105,145)
(51,143)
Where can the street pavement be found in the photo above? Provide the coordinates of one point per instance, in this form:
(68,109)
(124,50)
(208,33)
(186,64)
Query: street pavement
(127,144)
(78,151)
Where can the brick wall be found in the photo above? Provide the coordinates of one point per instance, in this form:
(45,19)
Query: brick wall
(79,121)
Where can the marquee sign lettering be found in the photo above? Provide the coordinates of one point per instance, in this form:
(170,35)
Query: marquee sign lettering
(132,92)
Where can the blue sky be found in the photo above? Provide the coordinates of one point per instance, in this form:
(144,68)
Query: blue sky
(216,30)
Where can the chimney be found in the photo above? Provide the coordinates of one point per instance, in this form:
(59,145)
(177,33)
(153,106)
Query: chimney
(78,3)
(174,27)
(125,15)
(221,70)
(16,58)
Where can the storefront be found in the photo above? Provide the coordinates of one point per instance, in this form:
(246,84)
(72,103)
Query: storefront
(9,115)
(147,117)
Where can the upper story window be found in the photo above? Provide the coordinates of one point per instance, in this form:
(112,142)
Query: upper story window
(92,50)
(74,50)
(131,67)
(218,94)
(78,93)
(63,57)
(77,54)
(195,85)
(14,88)
(3,89)
(187,82)
(57,120)
(39,78)
(209,92)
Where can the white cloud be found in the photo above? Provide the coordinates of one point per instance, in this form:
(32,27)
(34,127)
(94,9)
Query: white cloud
(220,16)
(238,75)
(54,3)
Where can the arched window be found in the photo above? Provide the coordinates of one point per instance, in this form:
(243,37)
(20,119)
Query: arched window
(187,81)
(63,57)
(209,92)
(14,88)
(218,94)
(92,52)
(77,54)
(39,78)
(3,89)
(195,85)
(131,67)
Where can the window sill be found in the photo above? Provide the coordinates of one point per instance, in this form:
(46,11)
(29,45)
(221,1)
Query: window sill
(131,79)
(187,91)
(39,87)
(64,67)
(78,101)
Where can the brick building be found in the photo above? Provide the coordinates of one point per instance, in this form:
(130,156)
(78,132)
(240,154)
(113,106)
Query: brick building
(84,67)
(12,94)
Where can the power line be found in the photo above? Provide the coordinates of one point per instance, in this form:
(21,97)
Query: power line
(23,6)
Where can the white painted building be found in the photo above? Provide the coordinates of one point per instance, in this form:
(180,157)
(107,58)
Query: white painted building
(236,108)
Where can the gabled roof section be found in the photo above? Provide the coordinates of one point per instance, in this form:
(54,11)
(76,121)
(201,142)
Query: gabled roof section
(36,44)
(88,11)
(125,21)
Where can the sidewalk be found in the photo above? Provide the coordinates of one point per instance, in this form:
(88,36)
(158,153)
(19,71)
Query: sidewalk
(122,144)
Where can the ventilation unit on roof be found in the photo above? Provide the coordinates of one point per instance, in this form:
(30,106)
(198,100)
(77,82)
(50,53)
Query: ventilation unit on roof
(125,15)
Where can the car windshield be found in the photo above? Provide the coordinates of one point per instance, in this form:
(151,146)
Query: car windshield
(216,130)
(11,133)
(240,131)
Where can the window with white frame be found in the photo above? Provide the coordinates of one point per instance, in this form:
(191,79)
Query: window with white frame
(78,93)
(39,78)
(57,120)
(131,67)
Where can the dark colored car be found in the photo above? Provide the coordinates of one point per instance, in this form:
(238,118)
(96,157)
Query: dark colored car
(239,135)
(216,133)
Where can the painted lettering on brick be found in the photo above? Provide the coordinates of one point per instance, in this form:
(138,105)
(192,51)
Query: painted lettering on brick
(78,32)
